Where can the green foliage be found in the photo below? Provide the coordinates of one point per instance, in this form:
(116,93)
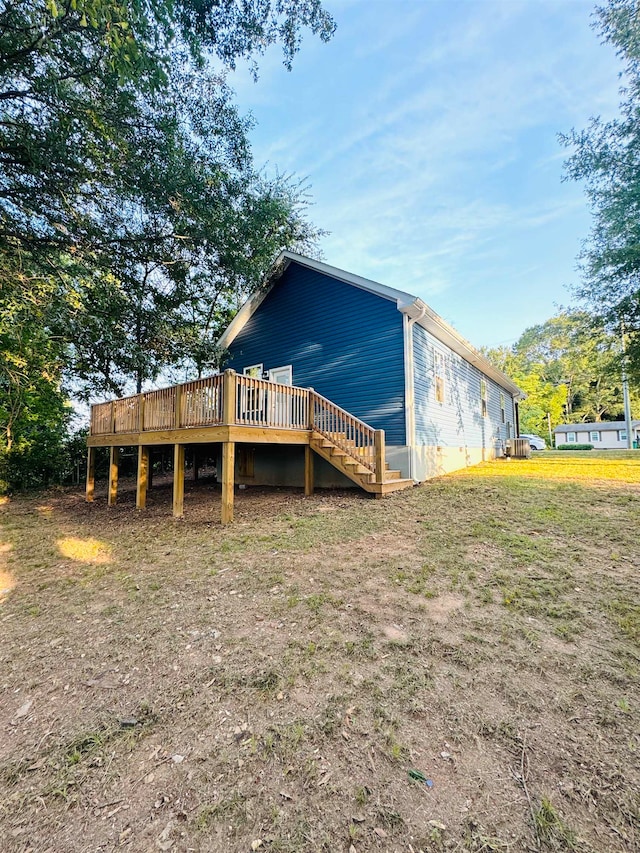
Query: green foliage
(568,367)
(574,447)
(132,218)
(606,157)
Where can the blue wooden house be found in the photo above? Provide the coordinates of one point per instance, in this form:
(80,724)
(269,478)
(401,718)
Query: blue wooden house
(330,379)
(379,353)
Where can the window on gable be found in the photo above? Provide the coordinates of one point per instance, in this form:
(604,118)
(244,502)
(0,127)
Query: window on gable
(571,438)
(438,373)
(594,436)
(483,398)
(503,412)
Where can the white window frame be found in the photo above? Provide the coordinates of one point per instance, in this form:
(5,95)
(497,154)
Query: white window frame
(439,376)
(288,367)
(594,435)
(571,438)
(622,435)
(247,370)
(484,398)
(503,408)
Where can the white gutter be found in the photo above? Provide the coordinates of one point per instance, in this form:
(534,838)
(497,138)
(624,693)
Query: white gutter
(408,322)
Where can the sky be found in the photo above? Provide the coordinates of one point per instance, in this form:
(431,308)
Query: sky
(427,132)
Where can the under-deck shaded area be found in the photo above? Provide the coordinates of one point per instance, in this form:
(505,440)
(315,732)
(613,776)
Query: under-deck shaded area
(230,409)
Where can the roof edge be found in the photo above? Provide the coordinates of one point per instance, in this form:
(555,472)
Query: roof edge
(446,334)
(414,307)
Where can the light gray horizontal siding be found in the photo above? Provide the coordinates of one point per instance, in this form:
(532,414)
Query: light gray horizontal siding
(458,421)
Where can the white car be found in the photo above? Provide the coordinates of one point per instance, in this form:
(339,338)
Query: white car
(535,441)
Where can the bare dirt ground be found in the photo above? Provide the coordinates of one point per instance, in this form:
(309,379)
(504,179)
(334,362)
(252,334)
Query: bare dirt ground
(290,682)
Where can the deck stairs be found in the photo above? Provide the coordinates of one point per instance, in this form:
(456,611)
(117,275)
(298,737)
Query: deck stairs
(346,458)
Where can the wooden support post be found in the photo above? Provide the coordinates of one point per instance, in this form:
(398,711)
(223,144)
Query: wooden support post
(229,395)
(143,477)
(380,455)
(308,470)
(91,473)
(228,469)
(114,460)
(177,406)
(178,480)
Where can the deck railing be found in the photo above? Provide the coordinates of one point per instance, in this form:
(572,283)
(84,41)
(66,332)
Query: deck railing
(346,431)
(270,404)
(232,398)
(200,403)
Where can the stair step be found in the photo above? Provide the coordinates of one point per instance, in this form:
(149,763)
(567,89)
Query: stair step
(347,461)
(356,467)
(390,486)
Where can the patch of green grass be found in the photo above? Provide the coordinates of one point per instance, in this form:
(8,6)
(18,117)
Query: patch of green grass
(625,612)
(231,809)
(316,601)
(285,740)
(521,549)
(417,581)
(551,829)
(362,795)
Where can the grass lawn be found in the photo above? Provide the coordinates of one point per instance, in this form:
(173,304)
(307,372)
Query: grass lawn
(278,685)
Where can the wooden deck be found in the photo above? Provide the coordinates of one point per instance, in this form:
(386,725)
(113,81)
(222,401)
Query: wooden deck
(229,409)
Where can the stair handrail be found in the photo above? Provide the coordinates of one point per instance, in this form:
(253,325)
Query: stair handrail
(323,411)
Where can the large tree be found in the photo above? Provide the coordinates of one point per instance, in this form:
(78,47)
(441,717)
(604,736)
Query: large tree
(132,218)
(569,368)
(606,156)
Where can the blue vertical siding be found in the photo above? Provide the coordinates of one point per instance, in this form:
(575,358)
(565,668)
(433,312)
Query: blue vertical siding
(344,342)
(458,420)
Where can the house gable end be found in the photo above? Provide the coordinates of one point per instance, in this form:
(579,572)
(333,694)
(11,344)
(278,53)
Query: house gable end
(343,340)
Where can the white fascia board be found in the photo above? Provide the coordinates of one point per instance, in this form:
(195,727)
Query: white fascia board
(446,334)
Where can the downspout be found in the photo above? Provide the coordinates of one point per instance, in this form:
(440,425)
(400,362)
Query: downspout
(410,402)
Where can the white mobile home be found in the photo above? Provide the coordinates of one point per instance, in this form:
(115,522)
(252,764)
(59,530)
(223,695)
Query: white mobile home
(606,435)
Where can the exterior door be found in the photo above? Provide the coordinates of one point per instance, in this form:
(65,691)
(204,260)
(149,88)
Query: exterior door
(283,375)
(280,401)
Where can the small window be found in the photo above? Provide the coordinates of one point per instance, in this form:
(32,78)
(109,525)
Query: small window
(503,413)
(254,370)
(622,435)
(571,438)
(483,398)
(594,436)
(438,371)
